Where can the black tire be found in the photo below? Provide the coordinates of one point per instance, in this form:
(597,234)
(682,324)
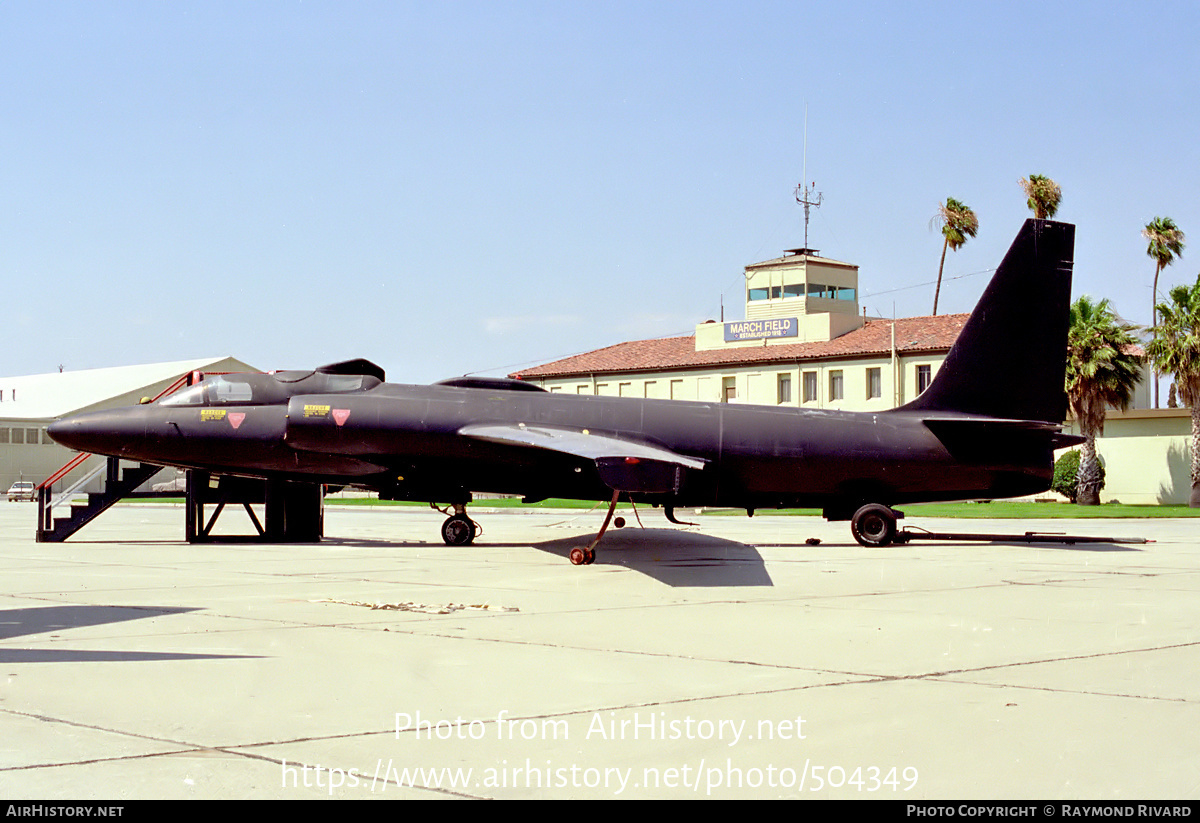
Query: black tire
(458,530)
(874,525)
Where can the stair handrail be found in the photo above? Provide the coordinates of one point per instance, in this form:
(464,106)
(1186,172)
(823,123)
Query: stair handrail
(67,495)
(65,470)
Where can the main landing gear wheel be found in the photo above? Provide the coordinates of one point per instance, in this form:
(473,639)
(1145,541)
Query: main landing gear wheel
(874,525)
(458,530)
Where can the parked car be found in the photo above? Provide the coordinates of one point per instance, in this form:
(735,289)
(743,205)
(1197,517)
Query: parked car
(178,484)
(22,490)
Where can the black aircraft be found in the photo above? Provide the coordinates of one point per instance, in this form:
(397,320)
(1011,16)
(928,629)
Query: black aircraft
(986,427)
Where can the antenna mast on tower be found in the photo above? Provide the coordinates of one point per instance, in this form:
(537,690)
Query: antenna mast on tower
(803,192)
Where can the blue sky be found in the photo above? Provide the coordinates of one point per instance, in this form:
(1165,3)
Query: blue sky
(451,187)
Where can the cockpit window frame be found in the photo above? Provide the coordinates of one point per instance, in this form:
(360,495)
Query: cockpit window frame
(264,389)
(229,390)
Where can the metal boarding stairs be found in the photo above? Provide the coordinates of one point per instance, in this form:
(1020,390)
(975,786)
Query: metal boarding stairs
(118,485)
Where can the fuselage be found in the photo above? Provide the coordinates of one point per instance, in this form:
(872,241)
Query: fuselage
(405,441)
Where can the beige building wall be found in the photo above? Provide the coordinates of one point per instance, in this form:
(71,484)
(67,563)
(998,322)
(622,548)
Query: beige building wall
(28,453)
(1146,455)
(866,384)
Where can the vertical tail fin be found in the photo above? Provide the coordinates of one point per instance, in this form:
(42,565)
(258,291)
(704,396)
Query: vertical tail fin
(1010,359)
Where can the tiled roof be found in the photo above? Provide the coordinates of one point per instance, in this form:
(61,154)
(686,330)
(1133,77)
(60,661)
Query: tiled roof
(913,335)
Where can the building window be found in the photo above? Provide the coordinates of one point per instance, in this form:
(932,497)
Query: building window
(728,389)
(874,383)
(835,384)
(677,390)
(924,378)
(810,386)
(785,388)
(830,292)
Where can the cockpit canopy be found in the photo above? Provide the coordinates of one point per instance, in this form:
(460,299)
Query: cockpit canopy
(266,389)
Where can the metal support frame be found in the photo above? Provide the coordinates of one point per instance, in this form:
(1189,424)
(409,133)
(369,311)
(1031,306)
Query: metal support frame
(293,511)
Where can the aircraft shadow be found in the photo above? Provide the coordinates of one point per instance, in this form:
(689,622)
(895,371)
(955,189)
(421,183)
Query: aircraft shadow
(44,619)
(672,556)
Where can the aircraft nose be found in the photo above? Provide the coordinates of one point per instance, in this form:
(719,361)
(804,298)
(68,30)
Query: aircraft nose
(66,433)
(106,432)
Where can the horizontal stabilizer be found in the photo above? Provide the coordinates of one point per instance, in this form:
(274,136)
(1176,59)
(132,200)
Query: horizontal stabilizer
(974,440)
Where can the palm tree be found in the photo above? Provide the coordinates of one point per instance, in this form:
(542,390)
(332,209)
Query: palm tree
(958,223)
(1102,371)
(1175,349)
(1044,195)
(1165,244)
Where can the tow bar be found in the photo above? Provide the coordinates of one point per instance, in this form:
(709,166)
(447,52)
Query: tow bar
(907,535)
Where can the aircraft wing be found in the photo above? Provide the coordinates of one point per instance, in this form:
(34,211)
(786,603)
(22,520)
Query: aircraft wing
(624,465)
